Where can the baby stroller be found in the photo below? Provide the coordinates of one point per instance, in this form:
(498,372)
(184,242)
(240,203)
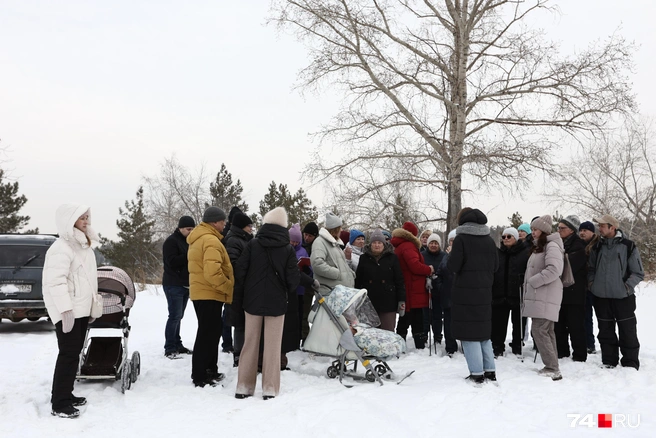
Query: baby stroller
(343,328)
(106,357)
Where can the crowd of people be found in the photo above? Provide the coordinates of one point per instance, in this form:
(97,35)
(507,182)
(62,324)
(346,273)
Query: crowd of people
(262,287)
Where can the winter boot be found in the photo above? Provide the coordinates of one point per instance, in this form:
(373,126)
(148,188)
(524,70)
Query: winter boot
(78,401)
(420,341)
(66,412)
(490,375)
(478,380)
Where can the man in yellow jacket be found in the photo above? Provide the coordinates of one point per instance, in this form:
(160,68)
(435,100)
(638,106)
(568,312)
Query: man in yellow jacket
(210,286)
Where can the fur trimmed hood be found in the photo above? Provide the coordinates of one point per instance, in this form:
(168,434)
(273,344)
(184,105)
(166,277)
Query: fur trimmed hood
(277,216)
(400,233)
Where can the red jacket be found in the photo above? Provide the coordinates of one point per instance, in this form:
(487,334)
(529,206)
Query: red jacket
(415,271)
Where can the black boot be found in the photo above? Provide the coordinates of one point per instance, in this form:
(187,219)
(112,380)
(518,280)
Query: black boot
(66,412)
(420,341)
(490,375)
(476,379)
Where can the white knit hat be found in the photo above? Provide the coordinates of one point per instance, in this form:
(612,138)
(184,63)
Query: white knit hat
(512,231)
(434,238)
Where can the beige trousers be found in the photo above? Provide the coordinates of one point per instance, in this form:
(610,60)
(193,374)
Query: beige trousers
(247,376)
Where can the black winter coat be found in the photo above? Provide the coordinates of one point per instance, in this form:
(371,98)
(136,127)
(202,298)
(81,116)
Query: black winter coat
(578,260)
(509,278)
(266,275)
(444,283)
(383,279)
(474,260)
(235,242)
(434,260)
(176,266)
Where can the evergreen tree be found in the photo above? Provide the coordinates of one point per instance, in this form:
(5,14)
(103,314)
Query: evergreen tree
(299,207)
(10,204)
(135,251)
(225,194)
(515,220)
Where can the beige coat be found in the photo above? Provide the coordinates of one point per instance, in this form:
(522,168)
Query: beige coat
(543,290)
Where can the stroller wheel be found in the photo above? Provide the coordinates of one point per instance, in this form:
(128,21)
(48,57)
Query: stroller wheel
(332,372)
(381,370)
(126,382)
(135,368)
(370,376)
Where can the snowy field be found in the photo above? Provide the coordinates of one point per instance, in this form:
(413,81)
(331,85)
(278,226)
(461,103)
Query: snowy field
(434,402)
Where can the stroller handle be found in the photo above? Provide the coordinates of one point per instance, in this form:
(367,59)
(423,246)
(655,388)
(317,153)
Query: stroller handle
(113,292)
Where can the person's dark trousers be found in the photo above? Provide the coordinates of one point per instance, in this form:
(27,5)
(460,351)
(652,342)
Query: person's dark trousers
(620,312)
(308,299)
(226,332)
(436,317)
(450,343)
(177,298)
(571,325)
(206,347)
(70,345)
(500,315)
(589,329)
(414,318)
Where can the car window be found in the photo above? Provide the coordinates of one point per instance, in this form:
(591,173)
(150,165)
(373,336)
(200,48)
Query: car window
(16,255)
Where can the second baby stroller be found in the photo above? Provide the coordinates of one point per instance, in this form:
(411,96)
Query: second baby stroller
(107,357)
(343,327)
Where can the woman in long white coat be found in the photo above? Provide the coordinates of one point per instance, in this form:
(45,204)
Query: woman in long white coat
(70,292)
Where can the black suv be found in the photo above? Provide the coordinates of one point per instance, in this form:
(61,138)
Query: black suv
(21,267)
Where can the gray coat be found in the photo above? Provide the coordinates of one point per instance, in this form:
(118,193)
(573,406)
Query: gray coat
(612,272)
(329,264)
(543,289)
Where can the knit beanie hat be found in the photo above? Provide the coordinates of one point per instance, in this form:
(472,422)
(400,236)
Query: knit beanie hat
(311,228)
(452,234)
(186,222)
(332,221)
(344,236)
(543,223)
(587,225)
(214,214)
(572,221)
(513,232)
(411,228)
(295,233)
(377,236)
(240,220)
(277,216)
(434,237)
(387,234)
(525,228)
(354,234)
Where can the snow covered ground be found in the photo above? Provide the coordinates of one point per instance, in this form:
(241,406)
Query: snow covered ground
(435,401)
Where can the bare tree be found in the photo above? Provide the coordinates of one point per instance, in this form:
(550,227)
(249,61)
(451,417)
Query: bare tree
(439,90)
(617,175)
(176,191)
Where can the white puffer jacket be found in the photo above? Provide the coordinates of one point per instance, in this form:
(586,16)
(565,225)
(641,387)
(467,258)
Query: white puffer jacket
(70,273)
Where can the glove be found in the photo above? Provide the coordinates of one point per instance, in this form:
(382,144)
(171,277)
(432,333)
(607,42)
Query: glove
(429,283)
(316,285)
(68,319)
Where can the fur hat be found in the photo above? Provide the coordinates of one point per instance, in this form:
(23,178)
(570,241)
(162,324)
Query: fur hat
(311,228)
(513,232)
(543,223)
(525,228)
(233,211)
(411,228)
(277,216)
(214,214)
(434,237)
(572,221)
(354,234)
(377,236)
(452,235)
(295,233)
(587,225)
(186,222)
(332,221)
(240,220)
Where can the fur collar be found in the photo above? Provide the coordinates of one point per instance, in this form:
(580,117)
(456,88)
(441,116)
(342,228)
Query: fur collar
(387,249)
(406,235)
(473,229)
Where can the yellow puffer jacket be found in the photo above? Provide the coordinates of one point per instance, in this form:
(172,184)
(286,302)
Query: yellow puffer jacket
(210,270)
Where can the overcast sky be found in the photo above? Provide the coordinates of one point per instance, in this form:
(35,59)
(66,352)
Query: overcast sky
(94,95)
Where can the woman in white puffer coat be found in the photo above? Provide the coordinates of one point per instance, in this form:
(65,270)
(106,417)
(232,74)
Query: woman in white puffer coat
(70,292)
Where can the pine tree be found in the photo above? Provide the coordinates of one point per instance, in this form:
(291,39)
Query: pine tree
(225,194)
(299,207)
(515,220)
(10,204)
(135,252)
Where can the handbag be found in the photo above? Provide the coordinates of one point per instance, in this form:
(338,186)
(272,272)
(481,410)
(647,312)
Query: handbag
(567,277)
